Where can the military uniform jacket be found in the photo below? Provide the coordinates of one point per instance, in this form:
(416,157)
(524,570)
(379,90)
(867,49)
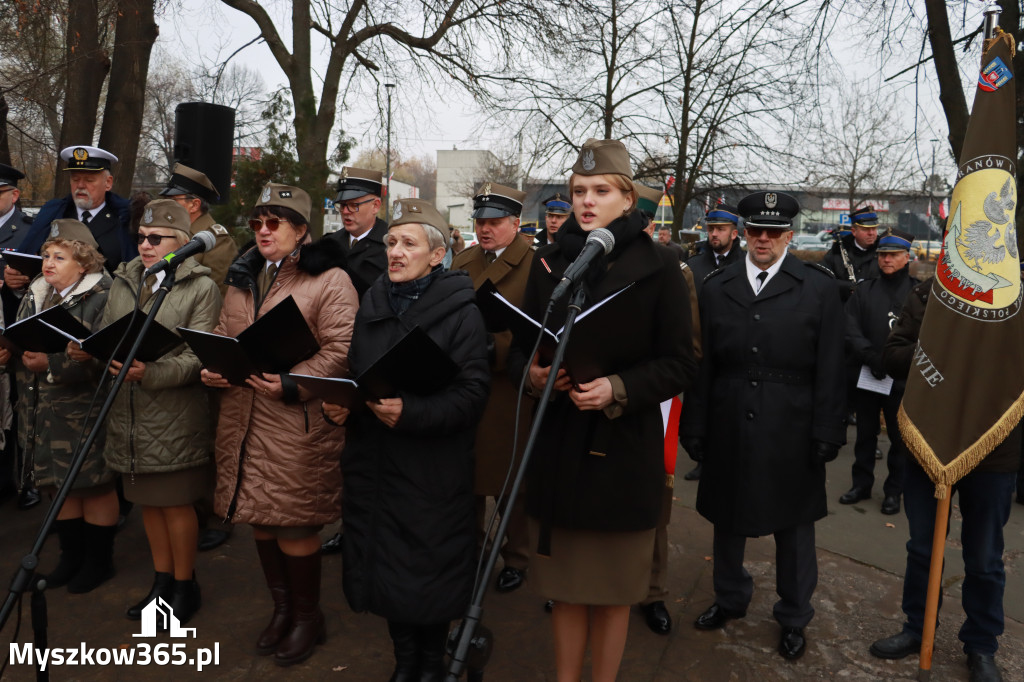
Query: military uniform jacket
(493,448)
(863,261)
(770,384)
(110,227)
(367,259)
(870,313)
(703,264)
(221,256)
(14,231)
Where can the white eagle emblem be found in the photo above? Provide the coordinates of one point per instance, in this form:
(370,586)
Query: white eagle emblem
(265,197)
(147,217)
(54,231)
(771,199)
(398,211)
(587,159)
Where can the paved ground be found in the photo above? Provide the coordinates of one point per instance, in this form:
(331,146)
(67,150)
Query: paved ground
(861,555)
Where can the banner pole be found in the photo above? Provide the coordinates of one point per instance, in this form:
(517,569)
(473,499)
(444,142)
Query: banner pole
(931,608)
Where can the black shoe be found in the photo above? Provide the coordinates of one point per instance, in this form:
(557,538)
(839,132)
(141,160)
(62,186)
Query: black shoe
(891,505)
(332,546)
(898,646)
(694,473)
(716,617)
(98,566)
(212,538)
(792,644)
(854,495)
(983,668)
(549,605)
(186,599)
(510,579)
(657,618)
(163,586)
(28,498)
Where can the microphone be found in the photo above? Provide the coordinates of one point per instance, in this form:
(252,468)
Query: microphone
(202,242)
(599,242)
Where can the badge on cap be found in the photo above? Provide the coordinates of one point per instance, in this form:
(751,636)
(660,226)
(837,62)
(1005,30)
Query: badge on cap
(588,160)
(344,174)
(285,194)
(265,197)
(771,199)
(398,211)
(487,189)
(147,217)
(80,154)
(54,231)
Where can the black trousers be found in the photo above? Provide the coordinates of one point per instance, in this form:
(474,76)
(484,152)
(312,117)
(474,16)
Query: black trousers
(796,574)
(869,404)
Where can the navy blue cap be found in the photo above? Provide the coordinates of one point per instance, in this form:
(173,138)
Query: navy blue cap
(773,210)
(723,214)
(865,217)
(895,240)
(557,204)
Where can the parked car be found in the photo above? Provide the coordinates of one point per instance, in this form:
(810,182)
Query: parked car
(927,250)
(807,242)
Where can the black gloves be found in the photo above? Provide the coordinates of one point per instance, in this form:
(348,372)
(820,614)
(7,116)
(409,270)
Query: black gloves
(694,448)
(824,452)
(873,360)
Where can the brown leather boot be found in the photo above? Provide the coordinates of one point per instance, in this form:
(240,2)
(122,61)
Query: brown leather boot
(276,574)
(307,620)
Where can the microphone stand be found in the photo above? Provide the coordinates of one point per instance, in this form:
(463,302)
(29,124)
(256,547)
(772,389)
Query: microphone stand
(26,577)
(473,613)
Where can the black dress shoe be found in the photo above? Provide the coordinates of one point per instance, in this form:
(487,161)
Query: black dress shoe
(854,495)
(510,579)
(898,646)
(891,505)
(694,473)
(333,545)
(792,644)
(983,668)
(657,618)
(716,617)
(212,538)
(28,498)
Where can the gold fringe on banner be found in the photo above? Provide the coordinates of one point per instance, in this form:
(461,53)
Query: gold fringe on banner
(670,480)
(1000,35)
(947,475)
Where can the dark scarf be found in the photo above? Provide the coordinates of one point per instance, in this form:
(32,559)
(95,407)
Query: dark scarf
(572,237)
(401,295)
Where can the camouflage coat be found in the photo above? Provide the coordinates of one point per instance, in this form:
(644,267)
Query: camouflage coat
(52,405)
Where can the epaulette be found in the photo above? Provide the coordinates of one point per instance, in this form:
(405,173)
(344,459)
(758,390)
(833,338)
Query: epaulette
(711,274)
(822,268)
(683,265)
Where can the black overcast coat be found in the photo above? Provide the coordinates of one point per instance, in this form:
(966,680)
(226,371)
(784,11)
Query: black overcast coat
(863,261)
(870,314)
(409,542)
(771,382)
(367,259)
(703,264)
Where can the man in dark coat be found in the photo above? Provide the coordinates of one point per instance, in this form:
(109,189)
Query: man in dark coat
(985,498)
(870,313)
(767,414)
(91,202)
(504,259)
(721,249)
(358,201)
(14,224)
(852,258)
(556,211)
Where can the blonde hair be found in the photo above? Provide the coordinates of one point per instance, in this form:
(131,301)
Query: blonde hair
(84,254)
(616,180)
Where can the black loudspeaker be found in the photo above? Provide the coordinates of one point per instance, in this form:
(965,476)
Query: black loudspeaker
(204,139)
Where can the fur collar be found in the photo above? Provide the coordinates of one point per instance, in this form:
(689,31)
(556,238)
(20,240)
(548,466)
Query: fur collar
(40,289)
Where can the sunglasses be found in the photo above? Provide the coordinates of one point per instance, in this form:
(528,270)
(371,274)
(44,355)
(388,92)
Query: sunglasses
(255,224)
(153,239)
(757,232)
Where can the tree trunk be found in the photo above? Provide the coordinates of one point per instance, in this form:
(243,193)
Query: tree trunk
(135,33)
(951,93)
(5,143)
(87,68)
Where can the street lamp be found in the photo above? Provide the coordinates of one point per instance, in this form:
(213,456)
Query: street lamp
(387,204)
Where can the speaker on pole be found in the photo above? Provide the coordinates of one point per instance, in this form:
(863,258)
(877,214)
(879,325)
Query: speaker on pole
(204,139)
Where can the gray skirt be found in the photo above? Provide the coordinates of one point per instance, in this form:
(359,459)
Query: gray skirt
(596,568)
(172,489)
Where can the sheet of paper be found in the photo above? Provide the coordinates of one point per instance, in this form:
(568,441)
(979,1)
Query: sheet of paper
(868,382)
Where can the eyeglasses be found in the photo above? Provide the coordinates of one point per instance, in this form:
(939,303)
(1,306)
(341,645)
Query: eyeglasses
(757,232)
(5,190)
(352,206)
(153,239)
(255,224)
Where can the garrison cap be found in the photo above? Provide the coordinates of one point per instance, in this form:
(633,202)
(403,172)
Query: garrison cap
(557,205)
(85,158)
(166,213)
(600,157)
(71,230)
(497,201)
(895,240)
(649,199)
(418,211)
(185,180)
(359,182)
(723,214)
(285,196)
(865,217)
(772,210)
(9,175)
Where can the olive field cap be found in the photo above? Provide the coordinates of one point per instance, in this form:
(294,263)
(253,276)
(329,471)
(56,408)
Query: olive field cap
(421,211)
(166,213)
(603,157)
(285,196)
(185,180)
(71,230)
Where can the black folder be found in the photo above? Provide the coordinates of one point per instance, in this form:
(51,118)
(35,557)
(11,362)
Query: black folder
(45,332)
(26,263)
(344,392)
(415,364)
(274,343)
(600,343)
(159,340)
